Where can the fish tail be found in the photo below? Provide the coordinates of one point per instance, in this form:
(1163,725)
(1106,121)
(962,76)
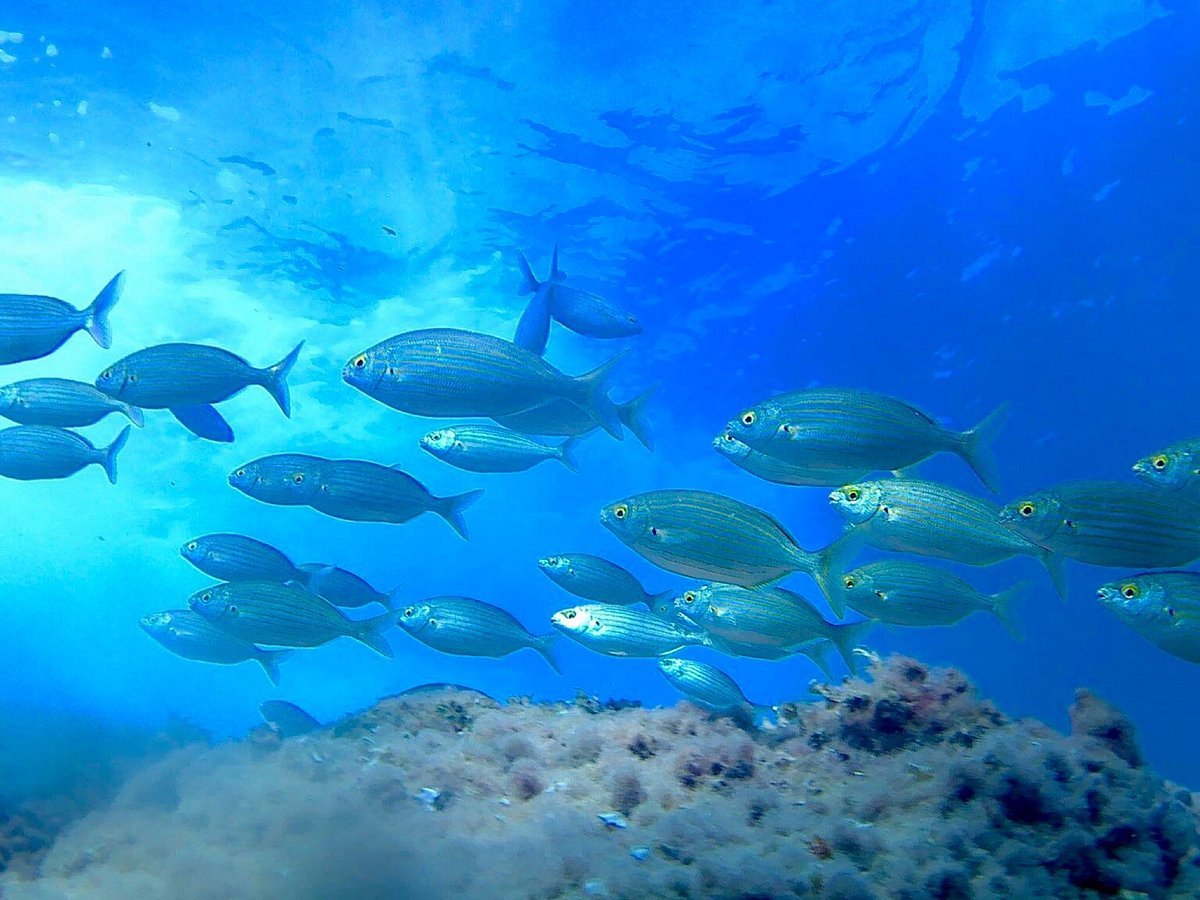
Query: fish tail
(1002,604)
(544,644)
(819,654)
(831,563)
(96,315)
(1057,568)
(566,453)
(847,637)
(270,660)
(597,401)
(451,509)
(533,331)
(529,284)
(556,274)
(393,597)
(632,415)
(135,415)
(372,631)
(109,460)
(976,446)
(275,380)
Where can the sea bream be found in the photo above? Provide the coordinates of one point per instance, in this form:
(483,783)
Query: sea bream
(1176,467)
(272,479)
(465,626)
(626,630)
(780,471)
(33,326)
(37,452)
(61,402)
(190,635)
(708,686)
(1163,607)
(561,418)
(448,373)
(494,449)
(237,557)
(597,579)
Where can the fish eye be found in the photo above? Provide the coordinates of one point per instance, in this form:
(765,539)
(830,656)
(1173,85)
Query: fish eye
(689,597)
(748,417)
(852,495)
(233,610)
(620,510)
(1159,462)
(204,598)
(133,378)
(359,362)
(848,581)
(1027,510)
(192,545)
(1171,611)
(298,478)
(632,320)
(436,436)
(409,612)
(729,437)
(106,374)
(570,614)
(1130,591)
(240,473)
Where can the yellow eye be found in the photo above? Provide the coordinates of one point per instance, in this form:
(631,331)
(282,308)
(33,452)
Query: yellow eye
(620,510)
(240,473)
(748,417)
(1130,591)
(298,478)
(570,614)
(359,362)
(852,495)
(1027,510)
(848,581)
(193,545)
(689,597)
(1159,462)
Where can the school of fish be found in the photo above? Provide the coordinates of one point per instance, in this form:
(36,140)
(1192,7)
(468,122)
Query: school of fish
(858,445)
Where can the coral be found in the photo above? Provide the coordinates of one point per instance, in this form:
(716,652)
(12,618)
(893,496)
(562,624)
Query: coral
(904,786)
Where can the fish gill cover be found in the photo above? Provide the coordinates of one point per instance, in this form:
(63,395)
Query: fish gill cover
(958,205)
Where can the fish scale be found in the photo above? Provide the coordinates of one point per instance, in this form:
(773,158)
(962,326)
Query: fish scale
(190,635)
(61,402)
(34,325)
(236,557)
(492,448)
(169,375)
(465,626)
(780,471)
(705,684)
(594,578)
(626,631)
(341,587)
(34,452)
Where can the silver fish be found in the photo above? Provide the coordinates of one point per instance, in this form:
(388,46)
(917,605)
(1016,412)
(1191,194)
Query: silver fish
(33,326)
(35,452)
(468,627)
(593,578)
(561,418)
(191,636)
(1176,467)
(907,593)
(60,402)
(779,471)
(287,719)
(286,615)
(1163,607)
(236,557)
(341,587)
(447,373)
(625,630)
(842,428)
(1110,523)
(712,537)
(818,651)
(270,479)
(707,685)
(493,448)
(929,519)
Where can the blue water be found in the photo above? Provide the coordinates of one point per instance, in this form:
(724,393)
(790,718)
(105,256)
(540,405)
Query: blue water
(956,203)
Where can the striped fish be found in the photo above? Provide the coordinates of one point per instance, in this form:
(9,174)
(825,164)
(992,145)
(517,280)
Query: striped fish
(360,491)
(447,372)
(287,719)
(818,650)
(60,402)
(286,615)
(715,538)
(907,593)
(192,636)
(1176,467)
(33,326)
(468,627)
(1163,607)
(594,578)
(36,452)
(929,519)
(779,471)
(1110,523)
(561,418)
(772,617)
(708,686)
(271,479)
(625,630)
(236,557)
(341,587)
(842,428)
(493,448)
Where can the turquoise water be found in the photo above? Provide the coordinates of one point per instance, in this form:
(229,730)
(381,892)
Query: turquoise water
(960,204)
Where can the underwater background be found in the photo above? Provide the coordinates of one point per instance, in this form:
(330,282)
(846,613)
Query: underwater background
(956,202)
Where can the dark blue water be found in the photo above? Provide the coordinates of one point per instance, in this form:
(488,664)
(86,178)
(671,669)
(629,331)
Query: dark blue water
(957,203)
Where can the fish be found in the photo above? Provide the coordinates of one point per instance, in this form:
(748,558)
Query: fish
(448,372)
(286,615)
(192,636)
(561,418)
(493,448)
(716,538)
(817,651)
(36,452)
(1110,523)
(533,328)
(61,402)
(268,479)
(908,515)
(779,471)
(766,616)
(1163,607)
(843,428)
(708,686)
(360,491)
(287,719)
(465,626)
(1176,467)
(341,587)
(188,379)
(594,578)
(625,631)
(899,592)
(236,557)
(33,326)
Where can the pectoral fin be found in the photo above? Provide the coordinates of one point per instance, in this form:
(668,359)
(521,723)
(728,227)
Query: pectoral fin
(204,421)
